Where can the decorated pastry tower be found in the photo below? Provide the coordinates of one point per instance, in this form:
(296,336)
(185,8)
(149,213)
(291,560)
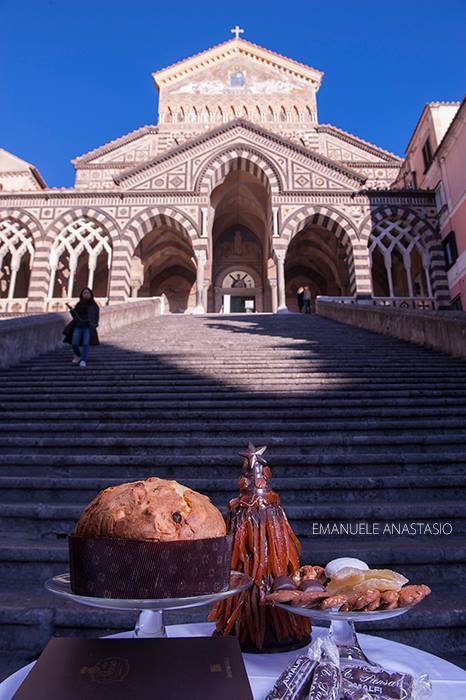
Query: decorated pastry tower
(264,547)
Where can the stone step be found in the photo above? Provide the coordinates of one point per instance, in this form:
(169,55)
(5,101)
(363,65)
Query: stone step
(362,430)
(410,411)
(168,375)
(318,444)
(402,426)
(35,560)
(364,400)
(58,520)
(181,466)
(310,489)
(47,616)
(214,386)
(129,371)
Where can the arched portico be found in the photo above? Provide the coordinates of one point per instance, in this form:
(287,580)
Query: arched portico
(16,258)
(164,262)
(320,254)
(241,238)
(146,221)
(406,259)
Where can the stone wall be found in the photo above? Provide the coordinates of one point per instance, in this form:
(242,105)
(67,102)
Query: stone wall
(441,330)
(23,338)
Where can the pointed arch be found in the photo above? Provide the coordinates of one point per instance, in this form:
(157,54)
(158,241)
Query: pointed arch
(270,117)
(79,246)
(258,114)
(101,218)
(245,113)
(25,220)
(134,232)
(295,114)
(219,114)
(145,221)
(206,114)
(38,277)
(240,157)
(283,115)
(16,257)
(335,222)
(418,227)
(180,115)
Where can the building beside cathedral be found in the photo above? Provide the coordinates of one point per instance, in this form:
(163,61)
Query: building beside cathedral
(234,199)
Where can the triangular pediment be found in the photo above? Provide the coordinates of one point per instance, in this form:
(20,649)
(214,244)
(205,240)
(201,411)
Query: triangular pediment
(134,147)
(235,49)
(339,145)
(297,168)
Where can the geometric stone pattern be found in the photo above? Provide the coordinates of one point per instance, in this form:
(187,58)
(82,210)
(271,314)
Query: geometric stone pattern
(156,176)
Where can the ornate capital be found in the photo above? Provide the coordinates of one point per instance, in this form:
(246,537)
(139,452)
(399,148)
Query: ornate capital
(201,256)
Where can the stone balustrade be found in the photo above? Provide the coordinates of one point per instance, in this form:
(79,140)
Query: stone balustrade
(23,338)
(441,330)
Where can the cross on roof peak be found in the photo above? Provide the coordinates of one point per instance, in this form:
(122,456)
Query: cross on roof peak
(237,31)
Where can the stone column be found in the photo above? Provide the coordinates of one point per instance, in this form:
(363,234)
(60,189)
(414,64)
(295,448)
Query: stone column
(201,258)
(280,261)
(14,274)
(42,278)
(92,266)
(205,222)
(275,232)
(73,267)
(388,267)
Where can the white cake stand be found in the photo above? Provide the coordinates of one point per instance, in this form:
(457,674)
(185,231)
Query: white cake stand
(150,622)
(342,630)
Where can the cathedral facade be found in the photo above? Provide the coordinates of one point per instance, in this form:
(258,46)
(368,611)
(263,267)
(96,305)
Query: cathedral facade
(235,199)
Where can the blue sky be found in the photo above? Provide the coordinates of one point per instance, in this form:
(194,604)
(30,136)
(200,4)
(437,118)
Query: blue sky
(76,74)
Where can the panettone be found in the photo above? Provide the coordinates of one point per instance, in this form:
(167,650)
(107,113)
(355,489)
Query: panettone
(155,509)
(150,539)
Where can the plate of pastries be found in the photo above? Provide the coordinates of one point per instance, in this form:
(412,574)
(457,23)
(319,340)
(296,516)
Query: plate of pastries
(346,585)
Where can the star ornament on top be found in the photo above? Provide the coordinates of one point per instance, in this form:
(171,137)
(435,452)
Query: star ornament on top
(254,454)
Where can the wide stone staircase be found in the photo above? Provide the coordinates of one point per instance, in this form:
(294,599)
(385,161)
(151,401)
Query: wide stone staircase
(362,430)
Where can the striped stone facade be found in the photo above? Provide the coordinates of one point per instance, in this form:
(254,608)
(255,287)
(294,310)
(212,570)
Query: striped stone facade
(164,181)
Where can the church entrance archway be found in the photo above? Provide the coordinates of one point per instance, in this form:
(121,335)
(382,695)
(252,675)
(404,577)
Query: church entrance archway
(318,259)
(163,265)
(238,292)
(241,245)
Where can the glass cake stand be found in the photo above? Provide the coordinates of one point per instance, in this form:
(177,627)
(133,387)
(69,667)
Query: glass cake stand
(342,630)
(150,622)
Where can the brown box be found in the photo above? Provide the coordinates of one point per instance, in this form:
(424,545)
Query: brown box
(197,668)
(114,568)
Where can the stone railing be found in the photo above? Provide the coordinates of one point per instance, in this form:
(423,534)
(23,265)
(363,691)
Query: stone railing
(13,306)
(23,338)
(59,303)
(420,303)
(441,330)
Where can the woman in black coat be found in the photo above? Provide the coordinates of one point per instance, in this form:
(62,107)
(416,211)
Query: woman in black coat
(82,331)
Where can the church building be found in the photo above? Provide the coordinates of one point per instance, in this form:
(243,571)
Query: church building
(235,198)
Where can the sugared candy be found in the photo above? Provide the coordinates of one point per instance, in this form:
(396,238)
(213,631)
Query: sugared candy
(336,564)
